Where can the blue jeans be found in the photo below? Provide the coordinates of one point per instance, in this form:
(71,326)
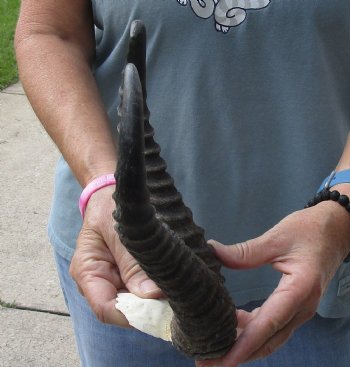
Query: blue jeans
(318,343)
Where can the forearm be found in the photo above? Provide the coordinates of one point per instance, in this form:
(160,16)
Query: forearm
(55,72)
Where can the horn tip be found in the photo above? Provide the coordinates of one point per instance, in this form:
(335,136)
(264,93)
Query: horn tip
(137,28)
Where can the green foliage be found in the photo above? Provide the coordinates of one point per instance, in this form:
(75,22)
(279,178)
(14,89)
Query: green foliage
(8,17)
(7,304)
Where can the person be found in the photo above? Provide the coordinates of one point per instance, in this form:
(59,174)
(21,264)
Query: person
(249,101)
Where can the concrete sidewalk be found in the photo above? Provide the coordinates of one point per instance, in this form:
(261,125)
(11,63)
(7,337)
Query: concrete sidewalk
(27,274)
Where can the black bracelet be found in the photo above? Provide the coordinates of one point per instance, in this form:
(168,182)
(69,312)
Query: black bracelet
(324,195)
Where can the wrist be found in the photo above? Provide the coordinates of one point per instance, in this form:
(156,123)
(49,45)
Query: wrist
(94,170)
(334,194)
(343,188)
(339,221)
(95,185)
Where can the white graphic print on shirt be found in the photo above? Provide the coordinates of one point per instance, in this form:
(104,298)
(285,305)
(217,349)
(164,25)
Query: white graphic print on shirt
(227,13)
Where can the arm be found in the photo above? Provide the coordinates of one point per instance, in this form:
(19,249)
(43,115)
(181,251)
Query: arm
(55,47)
(307,247)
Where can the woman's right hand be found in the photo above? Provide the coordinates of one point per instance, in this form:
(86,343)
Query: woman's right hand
(101,266)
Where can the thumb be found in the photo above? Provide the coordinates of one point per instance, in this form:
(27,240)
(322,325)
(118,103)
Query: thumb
(136,280)
(245,255)
(140,285)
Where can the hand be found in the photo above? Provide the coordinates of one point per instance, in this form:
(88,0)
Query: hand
(101,265)
(307,247)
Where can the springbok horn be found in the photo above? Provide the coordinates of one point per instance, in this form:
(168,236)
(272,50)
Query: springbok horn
(163,194)
(204,323)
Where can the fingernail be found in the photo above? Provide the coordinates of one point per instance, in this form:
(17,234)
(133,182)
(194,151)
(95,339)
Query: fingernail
(214,243)
(148,286)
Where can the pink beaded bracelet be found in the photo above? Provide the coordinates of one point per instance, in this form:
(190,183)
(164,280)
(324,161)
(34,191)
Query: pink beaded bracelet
(95,185)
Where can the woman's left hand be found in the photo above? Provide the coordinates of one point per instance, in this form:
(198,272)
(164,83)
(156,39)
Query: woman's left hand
(307,247)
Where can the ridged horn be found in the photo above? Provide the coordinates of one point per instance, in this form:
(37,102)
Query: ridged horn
(164,196)
(204,323)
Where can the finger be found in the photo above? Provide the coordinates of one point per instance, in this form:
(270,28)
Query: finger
(278,310)
(98,283)
(140,285)
(135,279)
(279,339)
(248,254)
(92,258)
(244,318)
(101,295)
(272,344)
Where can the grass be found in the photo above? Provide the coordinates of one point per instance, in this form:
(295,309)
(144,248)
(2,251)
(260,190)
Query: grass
(15,306)
(8,17)
(7,304)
